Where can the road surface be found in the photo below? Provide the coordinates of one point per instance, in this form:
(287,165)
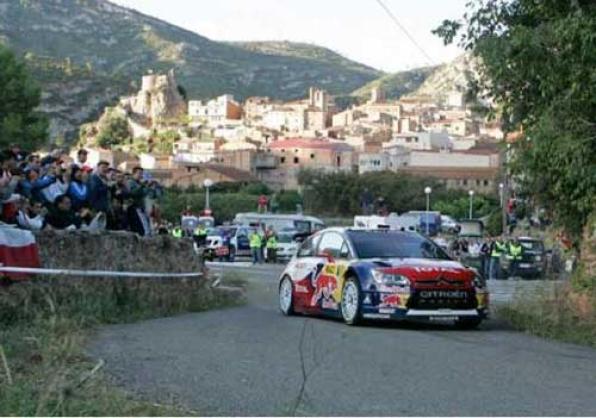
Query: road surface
(251,360)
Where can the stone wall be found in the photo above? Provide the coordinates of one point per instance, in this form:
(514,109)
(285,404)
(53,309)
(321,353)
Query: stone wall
(116,251)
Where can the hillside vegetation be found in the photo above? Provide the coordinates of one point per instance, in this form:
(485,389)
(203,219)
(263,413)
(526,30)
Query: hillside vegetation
(86,53)
(397,84)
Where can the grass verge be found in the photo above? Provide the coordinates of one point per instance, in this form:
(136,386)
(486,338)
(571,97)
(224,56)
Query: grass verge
(567,315)
(44,324)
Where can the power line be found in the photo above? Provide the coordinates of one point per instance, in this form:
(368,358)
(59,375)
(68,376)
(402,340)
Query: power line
(404,30)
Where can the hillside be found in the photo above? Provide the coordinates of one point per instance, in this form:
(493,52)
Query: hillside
(452,76)
(397,84)
(86,53)
(306,51)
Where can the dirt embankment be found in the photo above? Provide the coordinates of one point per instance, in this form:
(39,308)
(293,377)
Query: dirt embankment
(117,251)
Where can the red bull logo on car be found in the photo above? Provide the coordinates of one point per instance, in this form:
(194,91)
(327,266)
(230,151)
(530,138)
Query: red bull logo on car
(325,286)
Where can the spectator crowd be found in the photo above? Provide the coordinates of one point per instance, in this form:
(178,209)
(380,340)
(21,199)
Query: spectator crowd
(55,192)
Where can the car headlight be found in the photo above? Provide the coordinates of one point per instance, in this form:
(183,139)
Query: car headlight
(381,277)
(479,281)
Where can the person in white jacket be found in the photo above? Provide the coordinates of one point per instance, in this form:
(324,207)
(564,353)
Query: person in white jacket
(31,216)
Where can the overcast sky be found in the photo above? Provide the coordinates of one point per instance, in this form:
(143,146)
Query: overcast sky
(358,29)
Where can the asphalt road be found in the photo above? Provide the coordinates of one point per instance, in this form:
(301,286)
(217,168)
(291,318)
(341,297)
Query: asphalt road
(253,361)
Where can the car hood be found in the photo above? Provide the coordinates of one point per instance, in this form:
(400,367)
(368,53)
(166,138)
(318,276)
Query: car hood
(420,270)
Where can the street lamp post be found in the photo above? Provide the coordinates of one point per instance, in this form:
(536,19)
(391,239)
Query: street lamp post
(207,183)
(471,193)
(427,192)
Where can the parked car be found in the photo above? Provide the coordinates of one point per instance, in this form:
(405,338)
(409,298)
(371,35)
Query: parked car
(227,242)
(534,261)
(449,225)
(356,274)
(305,225)
(287,246)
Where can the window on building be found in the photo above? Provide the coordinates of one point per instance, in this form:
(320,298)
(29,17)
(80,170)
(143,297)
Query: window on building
(312,156)
(485,182)
(465,182)
(477,182)
(296,160)
(296,151)
(282,160)
(283,150)
(338,160)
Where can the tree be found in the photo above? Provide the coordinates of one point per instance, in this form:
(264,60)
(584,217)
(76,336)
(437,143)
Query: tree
(537,62)
(113,130)
(19,98)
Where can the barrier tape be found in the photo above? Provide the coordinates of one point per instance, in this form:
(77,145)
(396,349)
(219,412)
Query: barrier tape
(97,273)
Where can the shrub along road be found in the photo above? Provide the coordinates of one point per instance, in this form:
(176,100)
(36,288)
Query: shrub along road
(251,360)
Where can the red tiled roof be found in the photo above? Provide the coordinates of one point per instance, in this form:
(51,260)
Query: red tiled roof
(310,144)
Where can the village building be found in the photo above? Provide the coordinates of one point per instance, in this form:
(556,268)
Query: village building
(215,111)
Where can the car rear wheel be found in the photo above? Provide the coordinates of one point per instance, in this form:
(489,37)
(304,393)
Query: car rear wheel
(286,296)
(467,323)
(350,302)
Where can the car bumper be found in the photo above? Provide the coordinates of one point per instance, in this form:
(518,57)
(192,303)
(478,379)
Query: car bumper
(423,314)
(397,306)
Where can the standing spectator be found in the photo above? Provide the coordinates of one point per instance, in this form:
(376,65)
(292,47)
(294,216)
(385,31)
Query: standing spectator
(484,257)
(32,215)
(515,253)
(116,216)
(99,198)
(382,208)
(498,248)
(62,216)
(366,202)
(8,182)
(78,190)
(137,218)
(118,186)
(81,160)
(18,154)
(262,203)
(200,235)
(255,246)
(59,186)
(33,162)
(272,247)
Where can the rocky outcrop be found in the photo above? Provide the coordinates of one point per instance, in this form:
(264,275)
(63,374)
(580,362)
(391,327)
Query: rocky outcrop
(158,99)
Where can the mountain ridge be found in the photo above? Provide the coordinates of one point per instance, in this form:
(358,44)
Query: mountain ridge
(86,53)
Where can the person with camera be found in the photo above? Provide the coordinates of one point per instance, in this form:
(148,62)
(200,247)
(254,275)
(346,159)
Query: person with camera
(138,221)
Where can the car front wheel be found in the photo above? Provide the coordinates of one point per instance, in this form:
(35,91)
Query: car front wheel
(286,296)
(350,302)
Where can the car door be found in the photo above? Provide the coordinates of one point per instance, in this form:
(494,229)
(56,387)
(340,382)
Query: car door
(328,283)
(303,269)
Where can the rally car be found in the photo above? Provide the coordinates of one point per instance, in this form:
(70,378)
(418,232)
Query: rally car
(356,274)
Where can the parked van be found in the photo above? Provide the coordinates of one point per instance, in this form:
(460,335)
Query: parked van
(304,225)
(393,221)
(428,221)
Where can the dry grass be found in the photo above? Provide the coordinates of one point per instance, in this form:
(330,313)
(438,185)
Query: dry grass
(43,367)
(567,315)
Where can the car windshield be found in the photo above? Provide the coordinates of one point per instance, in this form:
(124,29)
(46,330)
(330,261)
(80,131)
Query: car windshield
(532,245)
(222,231)
(392,244)
(285,238)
